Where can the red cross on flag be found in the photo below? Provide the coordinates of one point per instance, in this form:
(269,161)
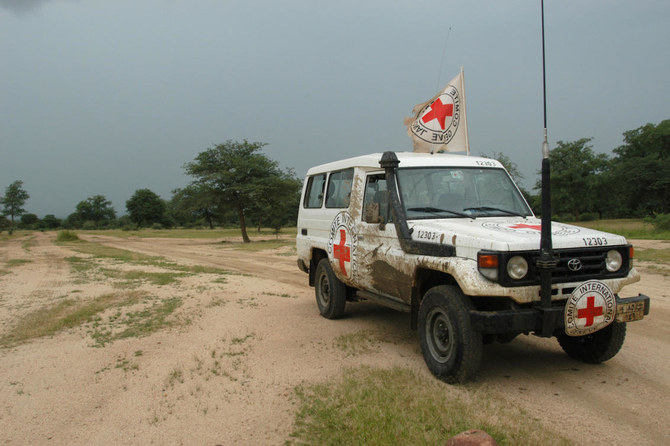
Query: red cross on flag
(440,124)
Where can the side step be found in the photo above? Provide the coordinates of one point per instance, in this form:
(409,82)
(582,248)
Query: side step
(387,301)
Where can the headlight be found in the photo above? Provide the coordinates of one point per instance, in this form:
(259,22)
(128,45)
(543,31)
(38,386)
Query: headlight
(517,267)
(613,261)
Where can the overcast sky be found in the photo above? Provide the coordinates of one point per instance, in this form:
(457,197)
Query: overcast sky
(110,96)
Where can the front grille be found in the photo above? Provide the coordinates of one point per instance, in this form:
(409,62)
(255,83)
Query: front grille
(591,260)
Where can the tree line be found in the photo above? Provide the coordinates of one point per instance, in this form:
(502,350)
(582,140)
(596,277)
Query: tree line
(234,183)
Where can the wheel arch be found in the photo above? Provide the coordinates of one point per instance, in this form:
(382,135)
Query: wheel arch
(315,258)
(425,279)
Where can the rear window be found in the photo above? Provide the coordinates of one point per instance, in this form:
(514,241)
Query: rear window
(339,189)
(314,194)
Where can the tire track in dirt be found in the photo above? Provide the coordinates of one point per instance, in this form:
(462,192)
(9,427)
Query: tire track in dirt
(44,272)
(204,252)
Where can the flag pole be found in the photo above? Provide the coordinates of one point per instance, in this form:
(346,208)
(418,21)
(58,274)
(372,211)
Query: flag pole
(465,115)
(546,262)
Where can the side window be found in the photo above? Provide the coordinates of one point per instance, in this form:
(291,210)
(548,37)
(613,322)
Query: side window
(339,189)
(314,194)
(376,202)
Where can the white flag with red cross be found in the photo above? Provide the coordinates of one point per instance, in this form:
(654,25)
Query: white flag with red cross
(440,123)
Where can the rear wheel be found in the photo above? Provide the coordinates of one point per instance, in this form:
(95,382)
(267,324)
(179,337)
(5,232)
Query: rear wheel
(451,347)
(331,294)
(596,347)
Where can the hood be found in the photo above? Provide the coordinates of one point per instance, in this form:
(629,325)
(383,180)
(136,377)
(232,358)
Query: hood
(505,234)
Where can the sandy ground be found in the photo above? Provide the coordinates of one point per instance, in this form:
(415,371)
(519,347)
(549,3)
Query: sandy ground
(225,372)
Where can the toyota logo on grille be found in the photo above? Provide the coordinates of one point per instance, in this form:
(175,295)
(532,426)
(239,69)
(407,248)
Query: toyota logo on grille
(574,264)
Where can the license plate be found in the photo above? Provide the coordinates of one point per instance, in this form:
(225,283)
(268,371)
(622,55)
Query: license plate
(632,311)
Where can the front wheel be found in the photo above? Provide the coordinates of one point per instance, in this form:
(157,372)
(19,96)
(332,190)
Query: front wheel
(596,347)
(451,347)
(331,294)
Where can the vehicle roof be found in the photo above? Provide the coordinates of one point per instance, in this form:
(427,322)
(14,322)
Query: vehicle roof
(407,159)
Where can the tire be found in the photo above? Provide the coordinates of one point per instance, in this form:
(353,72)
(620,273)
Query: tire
(596,347)
(331,294)
(451,347)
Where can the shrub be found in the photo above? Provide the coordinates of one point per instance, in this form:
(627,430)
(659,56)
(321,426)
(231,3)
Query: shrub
(588,216)
(661,222)
(67,236)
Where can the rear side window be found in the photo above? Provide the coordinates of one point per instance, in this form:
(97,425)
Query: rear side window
(339,189)
(314,194)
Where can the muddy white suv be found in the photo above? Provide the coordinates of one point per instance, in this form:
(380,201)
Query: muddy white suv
(451,240)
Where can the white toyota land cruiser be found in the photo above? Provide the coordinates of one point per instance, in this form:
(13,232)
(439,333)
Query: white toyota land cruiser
(451,240)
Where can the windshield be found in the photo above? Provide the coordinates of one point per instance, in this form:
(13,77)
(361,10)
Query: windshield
(465,192)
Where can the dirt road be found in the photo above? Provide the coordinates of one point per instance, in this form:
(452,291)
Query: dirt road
(226,375)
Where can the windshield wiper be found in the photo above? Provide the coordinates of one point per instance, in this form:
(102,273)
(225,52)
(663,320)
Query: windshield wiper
(433,210)
(489,208)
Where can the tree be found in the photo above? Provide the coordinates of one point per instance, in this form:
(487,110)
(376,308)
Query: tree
(13,201)
(97,209)
(29,221)
(513,169)
(510,166)
(72,221)
(237,175)
(640,170)
(51,222)
(193,202)
(146,208)
(575,175)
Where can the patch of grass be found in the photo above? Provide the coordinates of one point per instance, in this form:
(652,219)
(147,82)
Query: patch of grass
(153,278)
(126,365)
(99,251)
(80,265)
(5,236)
(262,245)
(216,302)
(653,269)
(175,376)
(137,324)
(28,244)
(653,255)
(630,228)
(66,236)
(203,233)
(284,295)
(357,343)
(199,269)
(380,407)
(16,262)
(66,314)
(242,340)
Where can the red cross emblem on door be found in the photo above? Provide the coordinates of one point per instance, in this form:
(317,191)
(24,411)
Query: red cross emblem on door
(342,252)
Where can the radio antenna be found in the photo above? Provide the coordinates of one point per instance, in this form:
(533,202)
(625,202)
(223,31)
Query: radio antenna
(546,262)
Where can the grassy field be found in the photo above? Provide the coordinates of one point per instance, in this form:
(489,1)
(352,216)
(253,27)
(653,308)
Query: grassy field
(375,406)
(194,233)
(630,228)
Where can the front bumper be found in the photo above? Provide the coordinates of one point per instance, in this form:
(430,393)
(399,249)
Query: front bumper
(549,320)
